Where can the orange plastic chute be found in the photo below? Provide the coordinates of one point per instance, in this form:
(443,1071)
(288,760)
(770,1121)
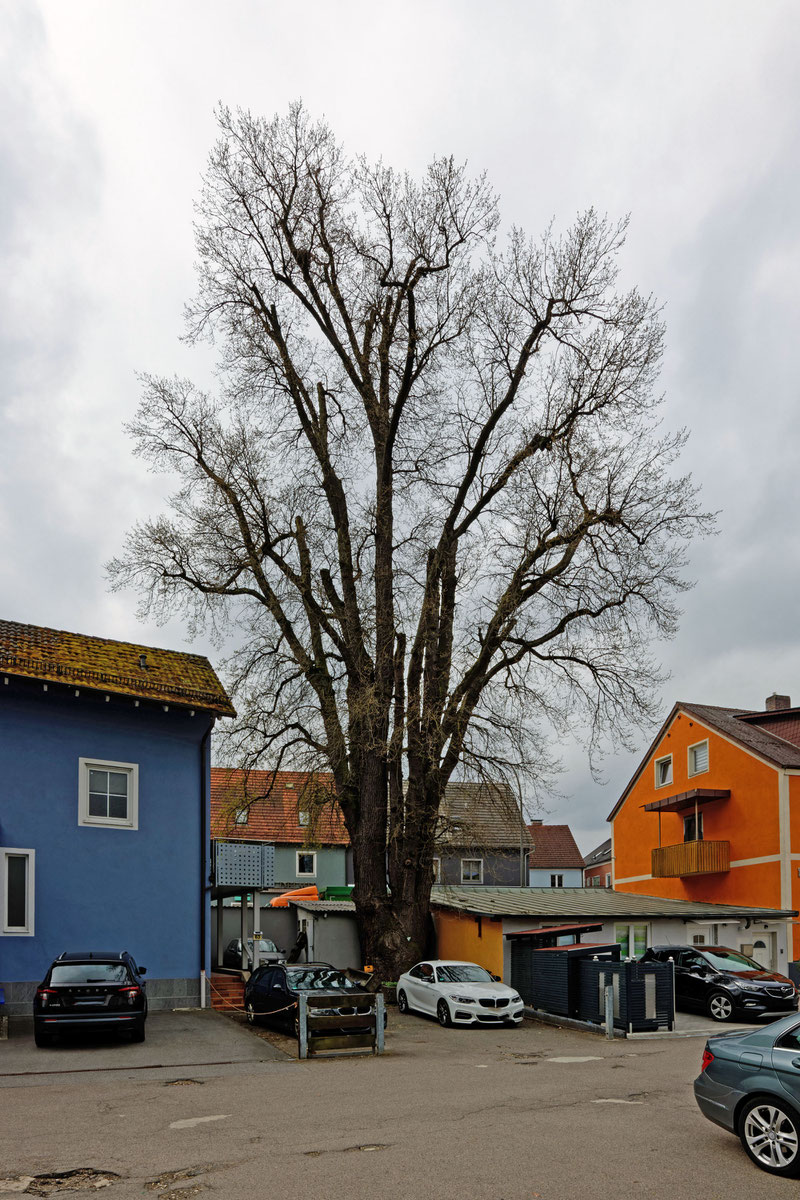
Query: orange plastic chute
(306,893)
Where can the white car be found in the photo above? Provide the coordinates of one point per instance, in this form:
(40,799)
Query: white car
(458,993)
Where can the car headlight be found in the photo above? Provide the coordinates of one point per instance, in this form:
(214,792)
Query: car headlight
(747,987)
(515,999)
(461,999)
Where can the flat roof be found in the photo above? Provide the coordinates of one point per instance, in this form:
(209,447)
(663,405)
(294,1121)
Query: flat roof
(588,904)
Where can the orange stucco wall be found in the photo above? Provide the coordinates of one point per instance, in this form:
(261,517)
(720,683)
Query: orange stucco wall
(473,939)
(748,820)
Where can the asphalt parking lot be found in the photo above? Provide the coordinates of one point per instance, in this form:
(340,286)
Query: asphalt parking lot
(461,1114)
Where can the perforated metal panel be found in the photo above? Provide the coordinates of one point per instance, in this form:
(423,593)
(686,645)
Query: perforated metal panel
(243,865)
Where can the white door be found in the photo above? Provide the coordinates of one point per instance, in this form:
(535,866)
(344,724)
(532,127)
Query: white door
(764,951)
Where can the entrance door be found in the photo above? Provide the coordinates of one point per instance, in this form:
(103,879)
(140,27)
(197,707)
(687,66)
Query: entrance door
(764,951)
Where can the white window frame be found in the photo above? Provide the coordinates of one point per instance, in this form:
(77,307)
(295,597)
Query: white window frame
(98,764)
(663,758)
(305,874)
(241,816)
(479,861)
(437,869)
(695,746)
(608,879)
(28,929)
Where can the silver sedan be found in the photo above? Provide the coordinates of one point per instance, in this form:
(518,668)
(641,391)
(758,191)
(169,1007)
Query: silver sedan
(749,1084)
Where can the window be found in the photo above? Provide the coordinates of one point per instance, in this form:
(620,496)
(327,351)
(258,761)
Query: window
(556,881)
(437,870)
(698,939)
(472,870)
(304,818)
(698,758)
(608,879)
(595,881)
(16,897)
(663,771)
(241,816)
(693,830)
(108,794)
(632,940)
(306,862)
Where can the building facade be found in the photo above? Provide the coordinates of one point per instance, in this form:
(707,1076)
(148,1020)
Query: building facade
(554,859)
(104,770)
(713,814)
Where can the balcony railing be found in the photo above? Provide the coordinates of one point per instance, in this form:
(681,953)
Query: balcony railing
(690,858)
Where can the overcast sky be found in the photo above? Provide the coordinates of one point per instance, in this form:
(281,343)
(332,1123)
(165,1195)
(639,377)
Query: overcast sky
(686,115)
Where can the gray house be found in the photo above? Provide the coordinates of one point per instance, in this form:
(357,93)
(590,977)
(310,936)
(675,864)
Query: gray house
(481,838)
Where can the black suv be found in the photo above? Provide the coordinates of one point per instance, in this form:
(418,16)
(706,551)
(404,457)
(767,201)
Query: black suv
(94,990)
(724,983)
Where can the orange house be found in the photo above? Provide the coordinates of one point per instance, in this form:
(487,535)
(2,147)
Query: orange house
(713,814)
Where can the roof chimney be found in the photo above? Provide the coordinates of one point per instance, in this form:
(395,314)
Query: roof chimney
(775,702)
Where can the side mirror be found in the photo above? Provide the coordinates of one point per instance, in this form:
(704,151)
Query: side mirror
(142,970)
(496,978)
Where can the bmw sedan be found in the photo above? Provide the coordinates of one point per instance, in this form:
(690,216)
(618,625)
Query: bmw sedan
(749,1083)
(271,994)
(458,993)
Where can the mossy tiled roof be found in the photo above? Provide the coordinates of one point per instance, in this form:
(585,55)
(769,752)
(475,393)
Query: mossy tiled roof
(122,668)
(270,803)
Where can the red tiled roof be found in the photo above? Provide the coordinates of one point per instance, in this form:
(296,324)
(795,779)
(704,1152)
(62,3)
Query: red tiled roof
(554,847)
(53,655)
(274,801)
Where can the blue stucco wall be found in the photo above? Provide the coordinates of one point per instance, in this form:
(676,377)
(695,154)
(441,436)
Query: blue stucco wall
(541,877)
(108,889)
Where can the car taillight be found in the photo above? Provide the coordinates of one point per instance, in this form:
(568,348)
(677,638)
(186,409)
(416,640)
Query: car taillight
(44,995)
(132,993)
(708,1058)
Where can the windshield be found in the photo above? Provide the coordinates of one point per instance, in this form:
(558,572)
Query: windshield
(265,946)
(729,960)
(463,973)
(93,972)
(320,979)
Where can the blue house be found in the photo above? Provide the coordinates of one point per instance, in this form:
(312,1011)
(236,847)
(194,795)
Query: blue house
(104,807)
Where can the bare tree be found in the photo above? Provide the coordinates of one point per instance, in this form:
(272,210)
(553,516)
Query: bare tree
(432,496)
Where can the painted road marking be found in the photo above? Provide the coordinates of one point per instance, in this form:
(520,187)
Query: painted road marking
(618,1102)
(190,1122)
(568,1058)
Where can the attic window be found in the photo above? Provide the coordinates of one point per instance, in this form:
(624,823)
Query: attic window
(304,818)
(663,771)
(698,758)
(241,816)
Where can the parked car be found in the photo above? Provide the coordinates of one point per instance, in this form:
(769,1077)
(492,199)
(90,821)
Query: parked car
(271,994)
(725,983)
(749,1083)
(458,993)
(268,952)
(90,990)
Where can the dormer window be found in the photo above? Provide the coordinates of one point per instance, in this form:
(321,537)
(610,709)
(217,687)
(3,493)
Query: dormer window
(663,771)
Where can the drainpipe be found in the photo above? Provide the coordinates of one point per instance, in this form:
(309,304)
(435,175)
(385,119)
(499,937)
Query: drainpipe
(204,881)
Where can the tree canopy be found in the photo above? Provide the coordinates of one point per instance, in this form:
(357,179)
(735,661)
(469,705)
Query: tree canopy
(431,495)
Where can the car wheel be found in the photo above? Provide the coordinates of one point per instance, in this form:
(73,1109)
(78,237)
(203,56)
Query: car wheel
(250,1012)
(443,1014)
(137,1033)
(402,1002)
(770,1133)
(719,1006)
(41,1038)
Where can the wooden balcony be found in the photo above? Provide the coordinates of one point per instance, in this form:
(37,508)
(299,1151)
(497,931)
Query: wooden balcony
(690,858)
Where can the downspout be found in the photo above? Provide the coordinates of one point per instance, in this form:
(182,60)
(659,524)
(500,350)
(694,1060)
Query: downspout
(203,858)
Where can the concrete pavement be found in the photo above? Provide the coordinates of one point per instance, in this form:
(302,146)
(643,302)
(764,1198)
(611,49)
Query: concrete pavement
(458,1114)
